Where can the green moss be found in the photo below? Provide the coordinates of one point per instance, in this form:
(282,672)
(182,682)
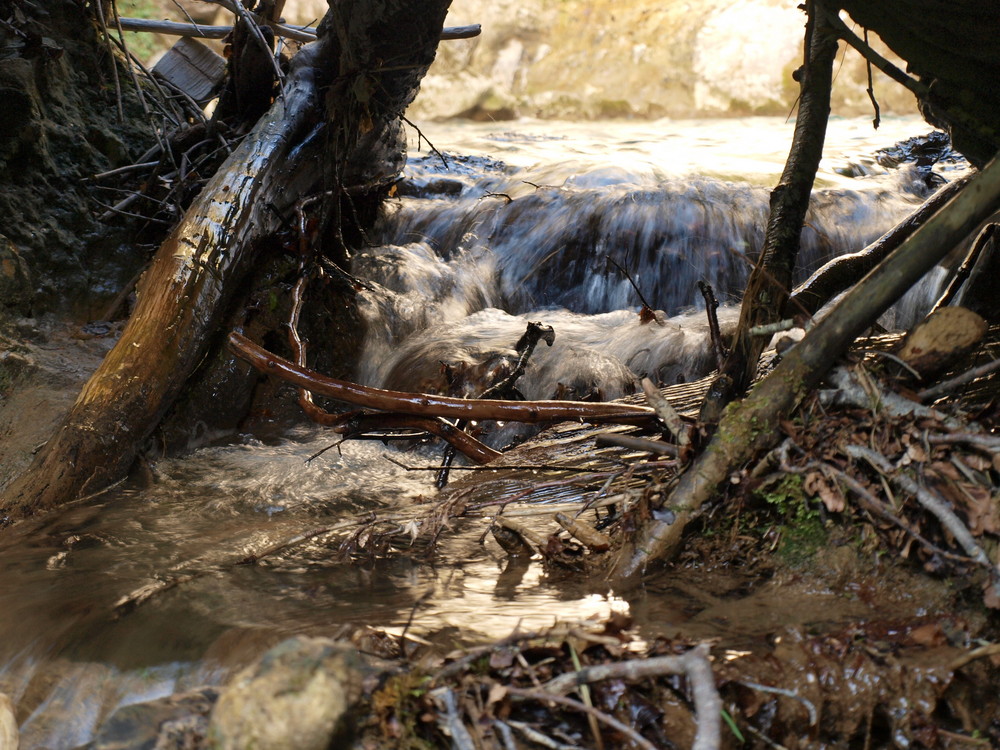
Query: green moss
(802,531)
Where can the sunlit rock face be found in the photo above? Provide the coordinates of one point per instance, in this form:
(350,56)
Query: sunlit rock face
(592,59)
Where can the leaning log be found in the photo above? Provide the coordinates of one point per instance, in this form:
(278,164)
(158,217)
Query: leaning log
(342,99)
(752,425)
(771,280)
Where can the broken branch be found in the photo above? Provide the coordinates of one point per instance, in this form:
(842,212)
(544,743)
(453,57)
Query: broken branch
(295,33)
(423,404)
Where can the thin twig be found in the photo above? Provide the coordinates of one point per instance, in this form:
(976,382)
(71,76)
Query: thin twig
(611,721)
(694,664)
(813,714)
(111,57)
(877,120)
(989,649)
(665,412)
(251,21)
(636,443)
(711,310)
(946,386)
(965,270)
(931,502)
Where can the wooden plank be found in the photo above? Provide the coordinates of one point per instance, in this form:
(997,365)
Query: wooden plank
(193,68)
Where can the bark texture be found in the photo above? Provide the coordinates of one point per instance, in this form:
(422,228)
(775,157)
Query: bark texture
(342,101)
(771,281)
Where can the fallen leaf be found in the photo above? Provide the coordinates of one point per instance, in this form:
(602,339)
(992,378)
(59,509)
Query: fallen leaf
(817,485)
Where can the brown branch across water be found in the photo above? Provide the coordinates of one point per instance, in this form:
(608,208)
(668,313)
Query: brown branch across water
(426,405)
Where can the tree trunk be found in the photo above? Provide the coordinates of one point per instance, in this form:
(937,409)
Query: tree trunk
(342,103)
(771,281)
(952,47)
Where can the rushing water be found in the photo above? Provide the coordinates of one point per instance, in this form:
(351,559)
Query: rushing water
(519,225)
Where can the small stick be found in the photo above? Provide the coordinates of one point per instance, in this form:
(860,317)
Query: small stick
(693,664)
(875,505)
(591,537)
(772,328)
(965,270)
(123,170)
(602,717)
(423,404)
(114,65)
(711,310)
(491,468)
(252,25)
(628,276)
(636,444)
(929,500)
(813,714)
(877,120)
(666,412)
(977,653)
(460,737)
(295,33)
(945,386)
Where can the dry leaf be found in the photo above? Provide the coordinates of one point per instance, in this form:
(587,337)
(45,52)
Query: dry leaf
(817,485)
(497,693)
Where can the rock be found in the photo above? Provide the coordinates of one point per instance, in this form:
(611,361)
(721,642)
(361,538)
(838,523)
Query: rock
(178,722)
(941,338)
(593,59)
(296,697)
(8,725)
(15,277)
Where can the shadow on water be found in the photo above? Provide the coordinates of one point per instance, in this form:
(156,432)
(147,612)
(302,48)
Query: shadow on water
(465,258)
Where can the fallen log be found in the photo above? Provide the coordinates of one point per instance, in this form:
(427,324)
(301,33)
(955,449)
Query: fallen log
(752,425)
(840,273)
(428,405)
(344,97)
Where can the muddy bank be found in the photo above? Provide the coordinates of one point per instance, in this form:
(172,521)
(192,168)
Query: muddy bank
(63,121)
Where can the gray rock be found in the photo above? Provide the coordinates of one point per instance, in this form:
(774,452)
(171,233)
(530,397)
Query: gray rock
(295,697)
(177,722)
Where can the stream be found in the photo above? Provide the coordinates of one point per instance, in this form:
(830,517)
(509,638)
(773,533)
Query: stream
(513,222)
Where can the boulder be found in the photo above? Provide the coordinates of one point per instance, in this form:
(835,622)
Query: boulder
(297,696)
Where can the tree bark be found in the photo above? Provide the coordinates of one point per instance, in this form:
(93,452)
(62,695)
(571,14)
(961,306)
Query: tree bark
(752,425)
(341,104)
(771,280)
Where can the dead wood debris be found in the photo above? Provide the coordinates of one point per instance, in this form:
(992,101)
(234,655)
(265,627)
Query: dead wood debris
(595,684)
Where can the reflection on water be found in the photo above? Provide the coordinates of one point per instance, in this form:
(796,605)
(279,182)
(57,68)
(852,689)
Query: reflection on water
(522,236)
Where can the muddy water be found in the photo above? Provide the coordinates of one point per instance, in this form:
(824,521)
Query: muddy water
(470,253)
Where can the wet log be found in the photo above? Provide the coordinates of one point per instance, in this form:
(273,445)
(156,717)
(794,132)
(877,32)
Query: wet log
(753,425)
(341,104)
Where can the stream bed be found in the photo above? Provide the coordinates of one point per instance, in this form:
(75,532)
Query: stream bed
(519,221)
